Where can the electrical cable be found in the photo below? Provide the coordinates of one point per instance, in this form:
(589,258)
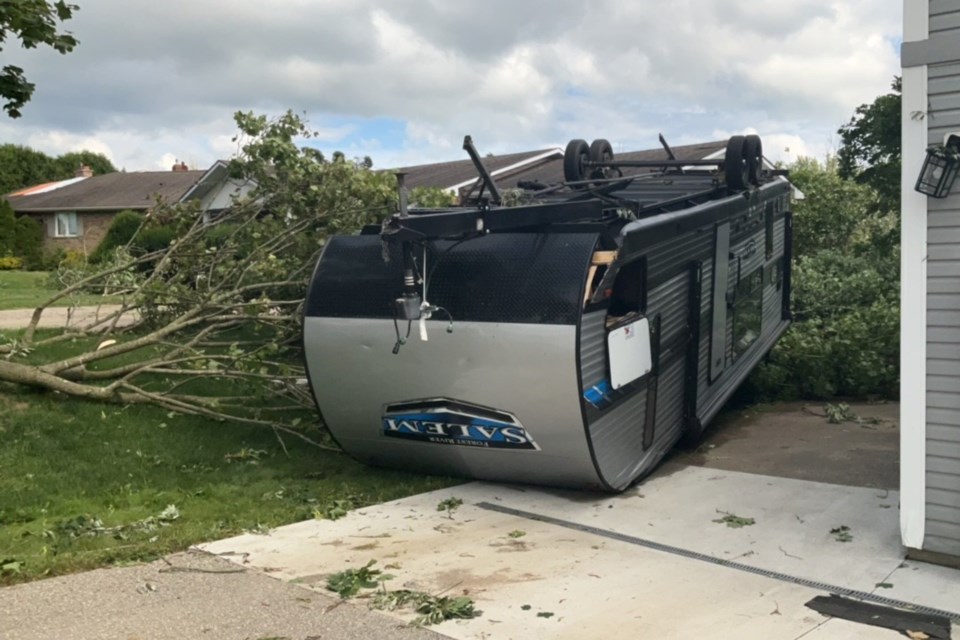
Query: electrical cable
(400,341)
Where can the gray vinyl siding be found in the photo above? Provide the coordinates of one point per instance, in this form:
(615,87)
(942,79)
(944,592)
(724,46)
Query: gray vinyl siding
(944,18)
(942,528)
(617,437)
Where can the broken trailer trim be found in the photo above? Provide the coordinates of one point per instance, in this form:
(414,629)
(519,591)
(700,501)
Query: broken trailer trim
(572,342)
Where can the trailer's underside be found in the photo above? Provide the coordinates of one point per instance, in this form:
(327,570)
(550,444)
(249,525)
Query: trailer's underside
(571,341)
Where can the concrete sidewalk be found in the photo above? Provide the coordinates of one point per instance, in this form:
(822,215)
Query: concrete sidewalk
(188,595)
(59,317)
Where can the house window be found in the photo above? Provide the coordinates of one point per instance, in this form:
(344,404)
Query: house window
(65,225)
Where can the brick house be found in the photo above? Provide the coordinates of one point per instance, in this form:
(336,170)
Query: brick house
(76,213)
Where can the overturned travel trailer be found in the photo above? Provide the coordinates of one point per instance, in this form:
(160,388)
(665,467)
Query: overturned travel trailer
(570,341)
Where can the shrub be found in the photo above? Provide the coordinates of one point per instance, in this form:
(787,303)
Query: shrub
(154,239)
(122,229)
(831,209)
(8,224)
(28,233)
(218,235)
(431,197)
(52,259)
(845,340)
(9,263)
(73,259)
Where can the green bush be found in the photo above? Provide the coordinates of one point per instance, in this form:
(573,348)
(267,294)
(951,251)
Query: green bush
(431,198)
(124,226)
(9,263)
(832,207)
(8,221)
(28,233)
(154,239)
(218,235)
(53,258)
(845,339)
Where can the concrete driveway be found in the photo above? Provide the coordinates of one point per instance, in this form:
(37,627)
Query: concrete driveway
(652,562)
(657,561)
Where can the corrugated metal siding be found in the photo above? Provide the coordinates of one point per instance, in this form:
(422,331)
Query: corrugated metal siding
(617,435)
(772,305)
(942,529)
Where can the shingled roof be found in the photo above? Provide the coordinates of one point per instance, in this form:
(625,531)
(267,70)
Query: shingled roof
(110,192)
(545,166)
(447,174)
(552,172)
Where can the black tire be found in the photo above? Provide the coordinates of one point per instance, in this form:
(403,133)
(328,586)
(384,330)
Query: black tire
(574,159)
(601,151)
(692,435)
(753,151)
(735,164)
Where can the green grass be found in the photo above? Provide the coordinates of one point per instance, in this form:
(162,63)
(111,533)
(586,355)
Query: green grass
(27,289)
(66,462)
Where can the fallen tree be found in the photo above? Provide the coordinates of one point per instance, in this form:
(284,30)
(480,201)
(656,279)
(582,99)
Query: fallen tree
(211,323)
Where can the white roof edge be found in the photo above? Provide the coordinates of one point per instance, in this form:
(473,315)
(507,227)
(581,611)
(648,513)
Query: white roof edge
(216,165)
(512,167)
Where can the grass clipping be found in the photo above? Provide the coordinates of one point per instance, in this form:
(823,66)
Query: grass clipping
(431,609)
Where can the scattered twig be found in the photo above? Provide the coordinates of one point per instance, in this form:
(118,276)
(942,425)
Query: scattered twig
(789,555)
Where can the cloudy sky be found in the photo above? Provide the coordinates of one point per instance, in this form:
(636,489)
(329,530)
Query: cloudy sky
(404,80)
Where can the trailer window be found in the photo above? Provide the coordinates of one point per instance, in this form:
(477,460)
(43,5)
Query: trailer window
(747,312)
(768,228)
(629,293)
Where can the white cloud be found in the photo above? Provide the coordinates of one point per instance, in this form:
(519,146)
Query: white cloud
(153,80)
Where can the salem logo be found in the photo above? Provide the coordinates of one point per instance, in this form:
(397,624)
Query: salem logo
(452,422)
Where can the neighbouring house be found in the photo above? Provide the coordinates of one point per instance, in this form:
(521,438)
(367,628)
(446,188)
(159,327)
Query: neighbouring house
(544,166)
(930,289)
(76,213)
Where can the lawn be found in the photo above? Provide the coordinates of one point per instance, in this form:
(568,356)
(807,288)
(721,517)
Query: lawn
(84,485)
(27,289)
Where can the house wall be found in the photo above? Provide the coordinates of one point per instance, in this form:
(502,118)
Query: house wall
(221,197)
(942,530)
(932,67)
(92,227)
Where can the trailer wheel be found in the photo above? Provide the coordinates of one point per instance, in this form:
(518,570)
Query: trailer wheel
(574,160)
(753,150)
(692,435)
(735,164)
(600,151)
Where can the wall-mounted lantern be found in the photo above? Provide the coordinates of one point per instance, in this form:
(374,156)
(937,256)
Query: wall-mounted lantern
(940,167)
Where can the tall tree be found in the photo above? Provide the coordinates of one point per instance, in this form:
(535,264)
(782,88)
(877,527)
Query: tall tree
(66,165)
(32,22)
(24,167)
(8,226)
(216,314)
(870,151)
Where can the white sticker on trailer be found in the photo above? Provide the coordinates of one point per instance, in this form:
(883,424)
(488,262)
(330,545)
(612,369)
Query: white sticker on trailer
(628,351)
